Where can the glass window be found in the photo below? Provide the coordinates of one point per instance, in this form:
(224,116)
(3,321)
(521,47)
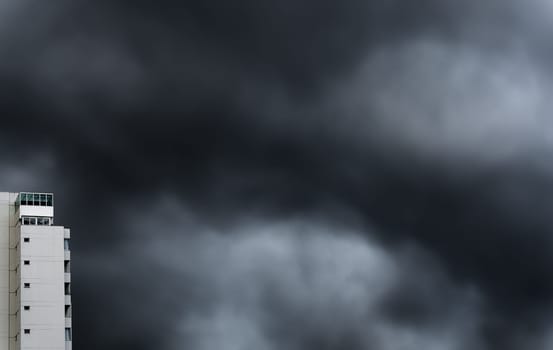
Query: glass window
(26,221)
(43,221)
(68,334)
(32,221)
(49,200)
(26,285)
(66,244)
(43,200)
(27,331)
(36,199)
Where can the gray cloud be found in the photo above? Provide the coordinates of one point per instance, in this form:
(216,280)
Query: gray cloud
(301,284)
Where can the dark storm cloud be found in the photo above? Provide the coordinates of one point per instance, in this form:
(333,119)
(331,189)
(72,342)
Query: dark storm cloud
(422,124)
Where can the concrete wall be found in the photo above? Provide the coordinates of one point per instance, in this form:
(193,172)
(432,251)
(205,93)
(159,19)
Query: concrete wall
(28,210)
(46,296)
(14,283)
(6,213)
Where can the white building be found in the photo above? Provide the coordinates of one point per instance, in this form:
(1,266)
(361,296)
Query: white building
(35,279)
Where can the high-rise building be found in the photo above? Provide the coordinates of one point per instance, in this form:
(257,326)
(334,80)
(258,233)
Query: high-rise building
(35,274)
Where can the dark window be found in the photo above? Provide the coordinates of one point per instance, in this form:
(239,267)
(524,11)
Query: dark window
(67,289)
(27,331)
(49,200)
(26,262)
(26,285)
(66,266)
(43,221)
(26,239)
(68,334)
(26,307)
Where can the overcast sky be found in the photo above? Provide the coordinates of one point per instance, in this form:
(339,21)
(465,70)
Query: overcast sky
(297,175)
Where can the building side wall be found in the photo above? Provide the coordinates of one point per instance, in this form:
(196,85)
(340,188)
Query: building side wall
(14,276)
(46,295)
(5,211)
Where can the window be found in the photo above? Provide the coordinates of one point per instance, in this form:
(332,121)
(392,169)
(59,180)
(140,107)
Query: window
(36,199)
(26,262)
(43,221)
(67,289)
(66,266)
(67,311)
(26,308)
(27,331)
(23,198)
(26,239)
(66,244)
(68,334)
(26,285)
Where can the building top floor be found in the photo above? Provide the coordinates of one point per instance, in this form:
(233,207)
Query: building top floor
(35,199)
(33,204)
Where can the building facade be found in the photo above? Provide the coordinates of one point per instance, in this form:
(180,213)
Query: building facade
(35,274)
